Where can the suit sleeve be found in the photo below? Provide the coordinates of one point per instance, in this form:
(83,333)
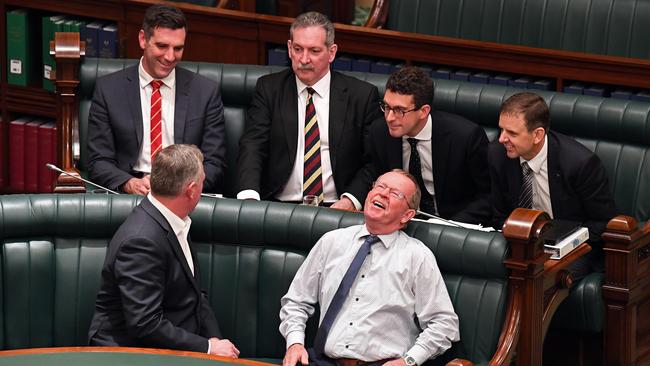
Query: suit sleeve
(591,185)
(478,210)
(140,273)
(254,143)
(102,163)
(209,323)
(361,182)
(498,200)
(213,145)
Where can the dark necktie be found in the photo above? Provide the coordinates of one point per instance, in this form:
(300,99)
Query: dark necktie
(428,201)
(312,175)
(526,196)
(341,294)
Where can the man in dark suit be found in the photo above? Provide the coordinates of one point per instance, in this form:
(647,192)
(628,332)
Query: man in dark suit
(449,160)
(306,126)
(150,293)
(566,180)
(183,106)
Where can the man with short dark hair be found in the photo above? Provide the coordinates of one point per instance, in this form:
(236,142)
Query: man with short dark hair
(150,294)
(306,126)
(381,295)
(142,109)
(445,152)
(534,167)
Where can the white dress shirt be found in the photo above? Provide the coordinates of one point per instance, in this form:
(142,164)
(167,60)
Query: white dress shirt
(541,191)
(168,94)
(426,154)
(399,279)
(180,226)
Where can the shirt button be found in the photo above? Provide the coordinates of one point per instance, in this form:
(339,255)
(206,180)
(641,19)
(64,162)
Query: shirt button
(363,276)
(350,323)
(346,346)
(357,299)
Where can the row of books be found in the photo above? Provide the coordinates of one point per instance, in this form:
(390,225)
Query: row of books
(598,90)
(32,144)
(28,44)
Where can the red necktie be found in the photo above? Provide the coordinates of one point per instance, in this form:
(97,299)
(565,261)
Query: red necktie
(312,177)
(156,119)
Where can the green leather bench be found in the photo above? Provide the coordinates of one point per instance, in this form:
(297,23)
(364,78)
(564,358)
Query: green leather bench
(53,248)
(607,27)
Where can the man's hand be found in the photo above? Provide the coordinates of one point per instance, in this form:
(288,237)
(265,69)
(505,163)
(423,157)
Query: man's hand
(295,353)
(344,204)
(223,347)
(396,362)
(137,186)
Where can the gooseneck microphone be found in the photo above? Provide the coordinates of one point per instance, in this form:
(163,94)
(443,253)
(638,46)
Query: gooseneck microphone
(437,218)
(57,169)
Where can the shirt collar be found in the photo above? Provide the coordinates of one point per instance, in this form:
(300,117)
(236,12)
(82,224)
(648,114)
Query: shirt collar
(386,239)
(536,163)
(322,86)
(425,132)
(178,225)
(146,79)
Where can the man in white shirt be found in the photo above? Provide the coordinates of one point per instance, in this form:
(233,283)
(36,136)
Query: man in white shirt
(371,281)
(446,153)
(150,295)
(533,167)
(306,127)
(144,108)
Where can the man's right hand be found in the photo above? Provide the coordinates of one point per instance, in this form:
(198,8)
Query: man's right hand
(137,186)
(223,347)
(295,353)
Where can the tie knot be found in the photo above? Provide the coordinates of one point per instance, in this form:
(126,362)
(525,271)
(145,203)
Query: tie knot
(525,168)
(413,142)
(156,84)
(310,90)
(372,239)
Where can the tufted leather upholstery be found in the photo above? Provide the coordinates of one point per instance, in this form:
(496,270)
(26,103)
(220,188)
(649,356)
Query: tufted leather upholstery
(608,27)
(53,248)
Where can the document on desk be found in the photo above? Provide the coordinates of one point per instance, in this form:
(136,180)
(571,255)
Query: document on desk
(564,245)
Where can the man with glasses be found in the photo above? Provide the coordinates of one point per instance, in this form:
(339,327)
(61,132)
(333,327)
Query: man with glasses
(306,126)
(446,153)
(382,297)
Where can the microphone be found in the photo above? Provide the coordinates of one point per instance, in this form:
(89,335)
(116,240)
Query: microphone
(212,195)
(437,218)
(57,169)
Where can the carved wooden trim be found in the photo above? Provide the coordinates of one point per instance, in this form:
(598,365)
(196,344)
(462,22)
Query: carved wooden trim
(229,4)
(67,49)
(378,14)
(644,253)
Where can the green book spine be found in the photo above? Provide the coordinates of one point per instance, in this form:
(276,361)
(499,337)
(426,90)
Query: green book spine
(18,54)
(50,24)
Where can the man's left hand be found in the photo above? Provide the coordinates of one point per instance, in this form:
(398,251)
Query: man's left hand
(396,362)
(344,204)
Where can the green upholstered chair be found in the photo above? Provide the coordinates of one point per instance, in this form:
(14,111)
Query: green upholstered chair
(608,27)
(53,247)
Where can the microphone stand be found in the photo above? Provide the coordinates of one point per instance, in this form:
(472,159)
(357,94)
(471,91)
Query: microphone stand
(59,170)
(437,218)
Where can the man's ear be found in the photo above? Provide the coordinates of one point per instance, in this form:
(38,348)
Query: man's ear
(142,39)
(332,51)
(425,109)
(538,134)
(192,190)
(407,216)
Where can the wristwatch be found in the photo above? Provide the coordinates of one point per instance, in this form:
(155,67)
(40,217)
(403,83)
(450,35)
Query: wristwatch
(410,361)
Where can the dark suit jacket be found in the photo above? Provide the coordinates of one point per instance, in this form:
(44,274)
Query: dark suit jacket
(460,177)
(267,150)
(115,126)
(148,296)
(577,183)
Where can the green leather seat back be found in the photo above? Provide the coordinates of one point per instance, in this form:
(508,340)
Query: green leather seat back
(608,27)
(53,248)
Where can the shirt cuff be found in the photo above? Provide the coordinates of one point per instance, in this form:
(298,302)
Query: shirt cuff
(248,194)
(357,204)
(419,354)
(295,337)
(208,346)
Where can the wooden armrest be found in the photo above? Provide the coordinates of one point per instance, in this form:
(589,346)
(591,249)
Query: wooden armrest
(460,362)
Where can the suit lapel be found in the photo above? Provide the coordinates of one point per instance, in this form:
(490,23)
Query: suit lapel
(338,107)
(289,114)
(440,150)
(393,146)
(172,240)
(514,175)
(135,106)
(554,173)
(182,101)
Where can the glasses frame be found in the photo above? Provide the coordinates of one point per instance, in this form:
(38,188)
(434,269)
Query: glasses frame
(396,193)
(397,112)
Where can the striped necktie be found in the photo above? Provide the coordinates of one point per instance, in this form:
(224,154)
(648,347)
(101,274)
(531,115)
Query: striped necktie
(156,119)
(526,196)
(312,177)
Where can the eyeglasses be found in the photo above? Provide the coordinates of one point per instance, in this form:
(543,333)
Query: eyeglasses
(399,112)
(397,194)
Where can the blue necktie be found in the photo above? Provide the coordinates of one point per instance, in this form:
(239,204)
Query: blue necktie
(341,294)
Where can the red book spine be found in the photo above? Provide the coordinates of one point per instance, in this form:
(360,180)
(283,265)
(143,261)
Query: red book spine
(46,137)
(31,156)
(17,155)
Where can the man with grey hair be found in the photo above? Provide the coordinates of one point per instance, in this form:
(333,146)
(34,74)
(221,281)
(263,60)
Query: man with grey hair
(306,127)
(150,294)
